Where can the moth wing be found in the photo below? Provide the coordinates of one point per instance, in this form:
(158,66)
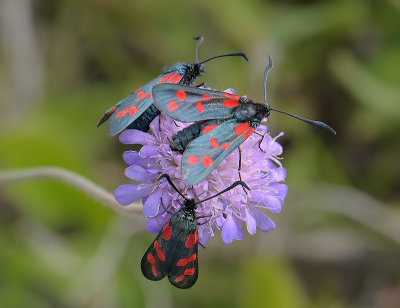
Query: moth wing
(157,258)
(190,104)
(134,105)
(204,153)
(184,269)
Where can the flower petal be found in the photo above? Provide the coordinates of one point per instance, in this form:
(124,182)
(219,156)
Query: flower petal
(204,233)
(250,222)
(263,222)
(232,230)
(152,204)
(140,174)
(129,193)
(272,198)
(155,125)
(133,158)
(134,136)
(149,151)
(155,224)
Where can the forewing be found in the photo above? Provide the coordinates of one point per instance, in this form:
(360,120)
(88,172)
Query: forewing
(184,270)
(190,104)
(204,153)
(157,259)
(133,106)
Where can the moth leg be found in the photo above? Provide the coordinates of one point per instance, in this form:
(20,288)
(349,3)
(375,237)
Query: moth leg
(165,207)
(259,142)
(202,245)
(176,124)
(200,85)
(240,167)
(204,222)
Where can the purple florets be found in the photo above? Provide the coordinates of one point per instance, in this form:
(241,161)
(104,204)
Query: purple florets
(261,171)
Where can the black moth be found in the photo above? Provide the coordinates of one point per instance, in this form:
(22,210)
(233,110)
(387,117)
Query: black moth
(174,252)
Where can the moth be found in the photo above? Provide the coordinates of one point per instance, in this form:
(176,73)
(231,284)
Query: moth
(137,110)
(174,252)
(223,122)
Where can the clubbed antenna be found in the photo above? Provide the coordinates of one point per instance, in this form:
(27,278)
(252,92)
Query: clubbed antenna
(312,122)
(265,79)
(235,54)
(200,40)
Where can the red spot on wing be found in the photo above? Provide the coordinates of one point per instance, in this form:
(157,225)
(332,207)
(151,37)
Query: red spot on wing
(166,225)
(111,111)
(150,258)
(167,233)
(148,95)
(196,237)
(241,128)
(160,253)
(172,106)
(205,97)
(175,79)
(232,96)
(230,103)
(121,114)
(136,90)
(225,146)
(132,110)
(181,95)
(199,106)
(248,133)
(184,261)
(189,241)
(179,278)
(207,161)
(166,77)
(214,143)
(193,160)
(141,94)
(208,128)
(189,271)
(154,270)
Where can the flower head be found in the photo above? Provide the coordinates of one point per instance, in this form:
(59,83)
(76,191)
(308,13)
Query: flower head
(260,170)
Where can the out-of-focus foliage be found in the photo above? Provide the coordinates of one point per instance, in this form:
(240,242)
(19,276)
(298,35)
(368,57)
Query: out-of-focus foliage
(63,63)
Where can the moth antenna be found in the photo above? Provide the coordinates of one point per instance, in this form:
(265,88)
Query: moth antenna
(200,40)
(234,54)
(166,176)
(226,189)
(266,77)
(312,122)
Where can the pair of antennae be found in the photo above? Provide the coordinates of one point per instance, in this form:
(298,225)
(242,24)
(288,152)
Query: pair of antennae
(312,122)
(166,176)
(200,40)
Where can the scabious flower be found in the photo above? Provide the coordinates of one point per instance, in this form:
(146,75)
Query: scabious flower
(261,170)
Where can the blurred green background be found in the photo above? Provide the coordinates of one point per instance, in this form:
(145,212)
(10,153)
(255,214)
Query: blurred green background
(63,63)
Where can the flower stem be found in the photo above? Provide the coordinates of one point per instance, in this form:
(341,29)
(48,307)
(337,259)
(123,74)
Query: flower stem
(71,178)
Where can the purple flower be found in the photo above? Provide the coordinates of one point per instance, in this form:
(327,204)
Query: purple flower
(261,170)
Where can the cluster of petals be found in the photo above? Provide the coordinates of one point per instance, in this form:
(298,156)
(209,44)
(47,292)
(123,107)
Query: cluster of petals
(261,170)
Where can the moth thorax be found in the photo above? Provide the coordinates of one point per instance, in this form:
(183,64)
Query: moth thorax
(178,68)
(246,111)
(193,71)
